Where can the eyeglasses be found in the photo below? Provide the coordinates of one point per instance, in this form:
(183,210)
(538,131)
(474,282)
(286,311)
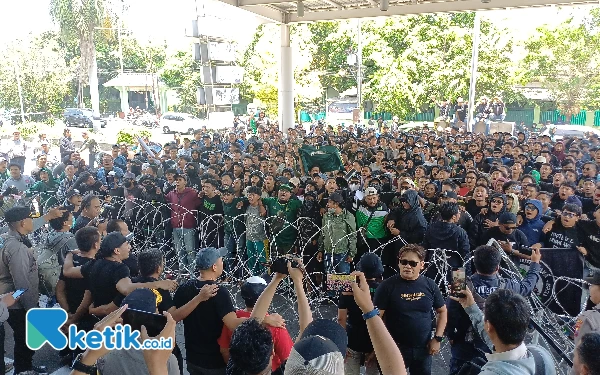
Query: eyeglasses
(496,201)
(530,207)
(406,262)
(569,214)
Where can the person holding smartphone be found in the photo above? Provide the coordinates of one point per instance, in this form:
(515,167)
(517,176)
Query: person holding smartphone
(405,302)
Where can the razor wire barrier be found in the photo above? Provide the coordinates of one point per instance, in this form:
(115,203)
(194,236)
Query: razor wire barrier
(150,223)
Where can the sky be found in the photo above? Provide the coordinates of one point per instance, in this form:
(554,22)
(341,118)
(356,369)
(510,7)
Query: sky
(167,19)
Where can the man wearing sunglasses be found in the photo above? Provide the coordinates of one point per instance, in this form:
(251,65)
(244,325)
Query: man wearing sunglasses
(532,223)
(405,302)
(508,236)
(563,233)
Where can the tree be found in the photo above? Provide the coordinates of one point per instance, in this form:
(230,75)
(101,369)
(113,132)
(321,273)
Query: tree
(429,55)
(564,59)
(78,20)
(43,74)
(181,74)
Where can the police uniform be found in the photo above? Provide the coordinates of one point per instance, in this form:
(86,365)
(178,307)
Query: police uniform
(588,321)
(18,270)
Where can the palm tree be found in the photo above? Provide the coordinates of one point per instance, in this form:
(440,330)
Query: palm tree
(77,20)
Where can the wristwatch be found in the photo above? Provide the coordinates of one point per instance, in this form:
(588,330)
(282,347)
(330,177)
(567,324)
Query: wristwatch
(439,338)
(78,366)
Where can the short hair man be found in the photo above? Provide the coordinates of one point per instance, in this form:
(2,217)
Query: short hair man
(503,326)
(281,342)
(586,360)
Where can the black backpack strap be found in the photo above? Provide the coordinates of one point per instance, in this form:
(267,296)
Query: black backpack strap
(540,366)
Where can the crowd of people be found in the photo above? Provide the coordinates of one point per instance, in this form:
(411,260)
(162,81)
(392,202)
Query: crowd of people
(171,228)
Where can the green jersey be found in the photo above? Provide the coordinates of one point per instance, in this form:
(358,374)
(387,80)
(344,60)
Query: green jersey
(281,219)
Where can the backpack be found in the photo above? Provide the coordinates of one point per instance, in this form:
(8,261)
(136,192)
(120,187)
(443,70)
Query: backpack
(50,259)
(475,366)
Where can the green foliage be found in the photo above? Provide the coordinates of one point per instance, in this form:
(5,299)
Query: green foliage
(421,57)
(180,74)
(565,60)
(43,74)
(130,135)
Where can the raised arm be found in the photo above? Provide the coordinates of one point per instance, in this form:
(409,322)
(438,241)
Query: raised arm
(387,352)
(264,301)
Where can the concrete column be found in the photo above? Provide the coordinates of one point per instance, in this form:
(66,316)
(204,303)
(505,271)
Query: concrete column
(286,82)
(124,93)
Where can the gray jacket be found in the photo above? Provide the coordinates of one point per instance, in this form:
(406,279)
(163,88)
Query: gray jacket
(18,270)
(522,366)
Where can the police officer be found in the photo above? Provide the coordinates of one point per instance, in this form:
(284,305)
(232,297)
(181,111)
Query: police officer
(589,321)
(18,270)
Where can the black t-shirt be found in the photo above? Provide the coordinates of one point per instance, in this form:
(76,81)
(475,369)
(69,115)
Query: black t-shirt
(203,326)
(102,277)
(81,222)
(132,263)
(75,288)
(408,308)
(589,235)
(560,237)
(516,238)
(165,301)
(356,326)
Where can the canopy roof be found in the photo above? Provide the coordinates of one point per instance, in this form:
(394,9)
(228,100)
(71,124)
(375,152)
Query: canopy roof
(133,81)
(281,11)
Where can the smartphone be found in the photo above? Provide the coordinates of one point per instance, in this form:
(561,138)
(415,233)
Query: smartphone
(18,293)
(459,282)
(340,283)
(154,323)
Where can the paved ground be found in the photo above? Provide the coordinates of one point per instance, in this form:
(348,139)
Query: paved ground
(282,304)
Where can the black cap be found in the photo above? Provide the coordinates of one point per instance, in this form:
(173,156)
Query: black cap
(330,330)
(507,218)
(141,299)
(449,194)
(595,278)
(226,190)
(18,213)
(111,242)
(336,197)
(370,264)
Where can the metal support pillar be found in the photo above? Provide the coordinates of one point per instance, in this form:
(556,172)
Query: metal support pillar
(473,83)
(286,82)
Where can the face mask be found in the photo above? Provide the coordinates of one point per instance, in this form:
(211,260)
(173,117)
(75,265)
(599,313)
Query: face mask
(353,187)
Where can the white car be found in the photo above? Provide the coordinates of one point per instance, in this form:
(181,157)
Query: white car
(183,123)
(558,132)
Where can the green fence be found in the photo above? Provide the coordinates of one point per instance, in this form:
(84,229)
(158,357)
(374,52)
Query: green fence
(386,116)
(428,115)
(555,117)
(518,115)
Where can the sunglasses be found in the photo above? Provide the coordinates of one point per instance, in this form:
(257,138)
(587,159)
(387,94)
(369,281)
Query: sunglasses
(569,214)
(495,201)
(406,262)
(530,207)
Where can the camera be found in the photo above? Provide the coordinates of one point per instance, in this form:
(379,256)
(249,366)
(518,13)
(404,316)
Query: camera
(279,265)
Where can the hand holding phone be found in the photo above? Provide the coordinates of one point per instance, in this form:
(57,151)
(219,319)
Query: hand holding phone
(459,282)
(341,283)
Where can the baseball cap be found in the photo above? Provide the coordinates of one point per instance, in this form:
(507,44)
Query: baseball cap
(295,181)
(540,159)
(72,193)
(319,351)
(112,241)
(371,191)
(208,256)
(370,264)
(254,190)
(336,197)
(285,187)
(180,175)
(226,190)
(595,278)
(18,213)
(141,299)
(449,194)
(251,289)
(507,218)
